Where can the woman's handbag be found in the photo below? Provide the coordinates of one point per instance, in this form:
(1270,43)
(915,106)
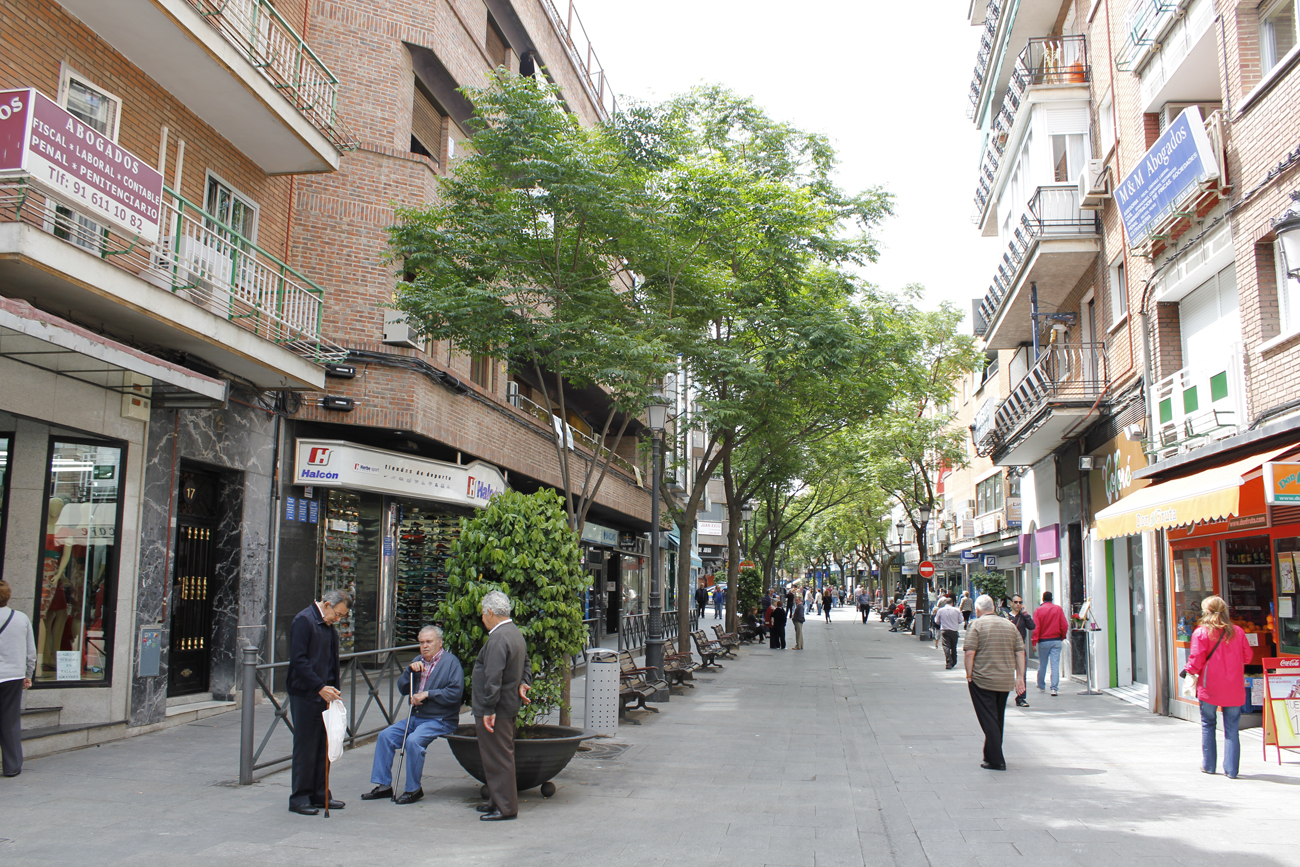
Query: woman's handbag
(1190,682)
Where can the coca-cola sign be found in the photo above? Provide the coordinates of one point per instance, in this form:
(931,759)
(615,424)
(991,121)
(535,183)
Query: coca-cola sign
(73,163)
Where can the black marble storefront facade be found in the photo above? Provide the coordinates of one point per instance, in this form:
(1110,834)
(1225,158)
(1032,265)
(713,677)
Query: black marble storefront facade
(238,443)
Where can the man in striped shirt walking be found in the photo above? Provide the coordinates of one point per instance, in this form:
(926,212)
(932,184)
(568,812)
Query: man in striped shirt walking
(995,664)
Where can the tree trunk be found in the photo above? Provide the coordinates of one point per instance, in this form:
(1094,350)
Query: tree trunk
(733,544)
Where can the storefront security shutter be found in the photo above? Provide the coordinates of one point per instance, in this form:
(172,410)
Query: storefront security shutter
(1063,121)
(426,124)
(1210,322)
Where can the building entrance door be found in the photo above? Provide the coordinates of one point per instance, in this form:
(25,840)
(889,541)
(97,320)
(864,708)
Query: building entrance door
(193,583)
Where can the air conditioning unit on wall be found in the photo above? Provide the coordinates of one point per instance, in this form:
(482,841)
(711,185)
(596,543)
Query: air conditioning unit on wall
(398,330)
(1094,185)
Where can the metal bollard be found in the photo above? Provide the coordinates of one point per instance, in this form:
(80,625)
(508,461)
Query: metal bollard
(247,719)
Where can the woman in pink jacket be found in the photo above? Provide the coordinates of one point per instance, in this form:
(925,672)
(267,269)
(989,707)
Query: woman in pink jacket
(1219,656)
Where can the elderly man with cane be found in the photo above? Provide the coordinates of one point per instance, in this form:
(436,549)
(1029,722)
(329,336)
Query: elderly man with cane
(501,681)
(435,682)
(995,665)
(312,684)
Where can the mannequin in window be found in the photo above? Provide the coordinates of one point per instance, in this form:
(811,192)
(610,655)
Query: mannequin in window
(54,601)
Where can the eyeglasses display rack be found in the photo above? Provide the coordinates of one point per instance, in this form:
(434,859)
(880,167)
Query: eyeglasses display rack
(342,550)
(424,539)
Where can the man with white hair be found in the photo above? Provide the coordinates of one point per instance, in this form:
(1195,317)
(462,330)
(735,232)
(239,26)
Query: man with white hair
(995,664)
(500,681)
(435,682)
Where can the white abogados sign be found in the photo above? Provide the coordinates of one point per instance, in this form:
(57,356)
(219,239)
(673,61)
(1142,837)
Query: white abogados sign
(341,464)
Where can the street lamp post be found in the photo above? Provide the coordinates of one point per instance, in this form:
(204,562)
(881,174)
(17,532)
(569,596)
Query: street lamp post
(900,525)
(657,420)
(922,627)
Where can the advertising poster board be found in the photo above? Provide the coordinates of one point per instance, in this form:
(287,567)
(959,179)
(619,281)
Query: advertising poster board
(1281,704)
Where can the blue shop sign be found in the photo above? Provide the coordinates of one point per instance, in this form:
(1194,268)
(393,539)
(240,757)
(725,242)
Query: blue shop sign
(1167,176)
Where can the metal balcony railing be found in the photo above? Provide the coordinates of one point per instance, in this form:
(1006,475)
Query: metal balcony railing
(575,435)
(582,54)
(1144,22)
(1065,371)
(272,45)
(1054,60)
(199,258)
(1053,212)
(984,56)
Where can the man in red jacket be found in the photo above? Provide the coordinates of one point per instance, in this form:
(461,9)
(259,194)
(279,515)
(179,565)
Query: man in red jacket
(1050,629)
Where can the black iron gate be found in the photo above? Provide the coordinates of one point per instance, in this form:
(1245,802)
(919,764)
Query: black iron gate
(190,654)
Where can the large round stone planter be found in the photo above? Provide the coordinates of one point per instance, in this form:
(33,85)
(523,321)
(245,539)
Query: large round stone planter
(537,758)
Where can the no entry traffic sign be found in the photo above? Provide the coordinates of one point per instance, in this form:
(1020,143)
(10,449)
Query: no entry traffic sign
(926,569)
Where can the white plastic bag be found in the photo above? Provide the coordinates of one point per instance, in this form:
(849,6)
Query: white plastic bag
(336,728)
(1187,687)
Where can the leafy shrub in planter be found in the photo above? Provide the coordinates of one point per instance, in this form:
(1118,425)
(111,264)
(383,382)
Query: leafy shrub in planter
(522,545)
(750,591)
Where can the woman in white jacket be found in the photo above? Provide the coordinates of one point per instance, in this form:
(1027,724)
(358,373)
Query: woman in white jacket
(17,668)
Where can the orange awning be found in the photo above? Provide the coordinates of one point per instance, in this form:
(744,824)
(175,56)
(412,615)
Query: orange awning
(1210,495)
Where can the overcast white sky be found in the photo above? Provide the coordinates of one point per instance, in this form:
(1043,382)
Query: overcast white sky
(885,80)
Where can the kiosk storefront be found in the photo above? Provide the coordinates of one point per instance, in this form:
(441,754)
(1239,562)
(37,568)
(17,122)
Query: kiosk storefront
(1223,537)
(380,525)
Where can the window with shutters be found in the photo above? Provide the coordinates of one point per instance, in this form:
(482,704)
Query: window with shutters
(1209,321)
(480,369)
(428,126)
(101,111)
(495,44)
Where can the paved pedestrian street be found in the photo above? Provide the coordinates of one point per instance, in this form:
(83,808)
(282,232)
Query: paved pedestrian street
(859,750)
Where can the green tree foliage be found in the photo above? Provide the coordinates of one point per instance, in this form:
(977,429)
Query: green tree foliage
(525,255)
(750,591)
(522,545)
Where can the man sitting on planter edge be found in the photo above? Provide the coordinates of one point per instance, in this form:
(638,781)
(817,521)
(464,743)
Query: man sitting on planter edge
(435,710)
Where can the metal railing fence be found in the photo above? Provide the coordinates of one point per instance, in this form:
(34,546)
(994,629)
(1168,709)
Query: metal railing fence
(199,258)
(272,45)
(372,674)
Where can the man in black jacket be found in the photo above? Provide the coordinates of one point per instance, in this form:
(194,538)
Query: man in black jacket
(701,599)
(313,683)
(500,686)
(1020,617)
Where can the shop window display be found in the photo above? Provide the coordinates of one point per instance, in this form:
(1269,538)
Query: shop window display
(1248,590)
(425,537)
(78,562)
(351,563)
(1193,581)
(1287,609)
(6,449)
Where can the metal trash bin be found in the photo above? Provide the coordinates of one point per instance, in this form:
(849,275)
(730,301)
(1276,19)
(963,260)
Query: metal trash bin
(601,700)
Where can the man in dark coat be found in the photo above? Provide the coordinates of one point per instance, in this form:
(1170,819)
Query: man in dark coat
(778,626)
(1025,623)
(313,683)
(500,683)
(701,599)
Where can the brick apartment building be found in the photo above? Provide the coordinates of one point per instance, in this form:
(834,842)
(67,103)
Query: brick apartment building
(409,405)
(1138,329)
(209,415)
(148,324)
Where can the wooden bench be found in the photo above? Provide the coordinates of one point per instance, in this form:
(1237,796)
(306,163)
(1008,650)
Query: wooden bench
(729,640)
(708,650)
(634,688)
(679,667)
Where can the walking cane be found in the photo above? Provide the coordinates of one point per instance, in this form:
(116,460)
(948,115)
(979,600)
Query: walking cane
(327,786)
(401,753)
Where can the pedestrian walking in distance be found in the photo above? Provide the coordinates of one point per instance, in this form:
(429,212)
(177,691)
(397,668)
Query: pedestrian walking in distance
(17,668)
(949,620)
(1020,618)
(312,683)
(995,665)
(864,603)
(1219,656)
(1050,629)
(797,618)
(967,608)
(778,625)
(827,601)
(717,603)
(501,679)
(435,682)
(701,599)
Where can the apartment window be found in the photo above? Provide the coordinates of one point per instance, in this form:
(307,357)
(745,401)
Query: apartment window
(480,369)
(1106,122)
(231,208)
(495,44)
(1118,291)
(1288,293)
(990,367)
(988,495)
(1067,157)
(101,111)
(428,126)
(1277,32)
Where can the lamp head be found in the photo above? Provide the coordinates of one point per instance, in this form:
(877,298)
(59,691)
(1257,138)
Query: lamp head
(1287,228)
(657,414)
(925,514)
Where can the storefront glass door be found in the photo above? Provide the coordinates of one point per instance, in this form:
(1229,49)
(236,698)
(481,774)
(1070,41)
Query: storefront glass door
(1137,609)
